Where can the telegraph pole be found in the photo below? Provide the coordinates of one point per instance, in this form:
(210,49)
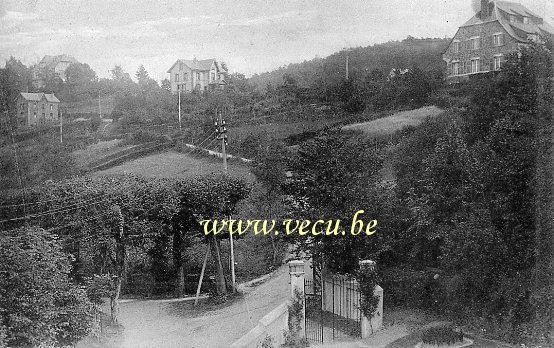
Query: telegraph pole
(179,107)
(61,126)
(222,134)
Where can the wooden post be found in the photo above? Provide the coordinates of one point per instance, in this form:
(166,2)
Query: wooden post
(202,275)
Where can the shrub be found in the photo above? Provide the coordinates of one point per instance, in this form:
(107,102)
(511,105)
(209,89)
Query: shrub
(441,335)
(38,303)
(143,136)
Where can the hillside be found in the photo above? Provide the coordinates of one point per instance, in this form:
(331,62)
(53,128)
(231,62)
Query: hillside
(424,53)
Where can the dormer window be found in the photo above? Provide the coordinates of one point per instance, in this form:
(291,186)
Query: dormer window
(513,18)
(526,20)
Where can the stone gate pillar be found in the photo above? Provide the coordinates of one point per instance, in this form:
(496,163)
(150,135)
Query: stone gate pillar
(296,271)
(370,325)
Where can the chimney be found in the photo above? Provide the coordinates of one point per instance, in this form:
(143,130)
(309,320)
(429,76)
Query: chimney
(485,9)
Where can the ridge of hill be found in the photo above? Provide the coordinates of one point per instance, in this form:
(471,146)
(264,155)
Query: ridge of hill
(425,53)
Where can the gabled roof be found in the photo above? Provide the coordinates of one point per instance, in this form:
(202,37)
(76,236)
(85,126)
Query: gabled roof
(50,97)
(48,60)
(511,27)
(38,97)
(515,8)
(197,65)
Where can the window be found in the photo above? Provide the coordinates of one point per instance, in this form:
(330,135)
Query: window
(176,77)
(456,46)
(184,77)
(51,115)
(475,65)
(51,107)
(475,43)
(497,62)
(197,75)
(498,39)
(513,19)
(455,68)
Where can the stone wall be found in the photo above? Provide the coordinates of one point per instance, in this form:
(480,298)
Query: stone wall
(273,325)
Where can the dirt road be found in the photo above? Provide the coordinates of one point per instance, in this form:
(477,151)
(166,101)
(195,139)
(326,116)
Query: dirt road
(157,324)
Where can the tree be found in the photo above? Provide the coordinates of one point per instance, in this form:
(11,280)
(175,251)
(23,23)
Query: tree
(14,78)
(81,82)
(270,167)
(332,178)
(213,197)
(38,303)
(166,85)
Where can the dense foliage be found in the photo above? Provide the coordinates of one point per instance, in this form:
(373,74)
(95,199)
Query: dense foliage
(38,302)
(468,180)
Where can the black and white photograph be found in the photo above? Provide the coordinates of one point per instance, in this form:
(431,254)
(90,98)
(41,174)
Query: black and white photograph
(276,174)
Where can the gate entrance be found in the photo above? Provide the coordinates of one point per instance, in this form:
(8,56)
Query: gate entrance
(332,309)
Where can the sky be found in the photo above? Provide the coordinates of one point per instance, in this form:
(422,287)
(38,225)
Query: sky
(251,36)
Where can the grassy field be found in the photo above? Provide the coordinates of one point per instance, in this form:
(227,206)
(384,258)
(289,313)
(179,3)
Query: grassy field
(172,164)
(389,125)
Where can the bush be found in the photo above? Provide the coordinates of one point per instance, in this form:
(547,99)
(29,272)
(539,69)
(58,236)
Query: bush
(440,335)
(143,136)
(411,288)
(38,303)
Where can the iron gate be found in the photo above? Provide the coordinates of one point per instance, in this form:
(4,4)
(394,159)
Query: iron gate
(314,313)
(332,309)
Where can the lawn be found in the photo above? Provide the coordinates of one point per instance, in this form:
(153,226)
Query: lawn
(389,125)
(173,164)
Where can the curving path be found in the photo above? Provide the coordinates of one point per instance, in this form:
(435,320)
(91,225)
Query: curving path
(153,323)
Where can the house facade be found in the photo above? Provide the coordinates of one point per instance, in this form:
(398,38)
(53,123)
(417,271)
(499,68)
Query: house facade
(196,75)
(37,109)
(484,42)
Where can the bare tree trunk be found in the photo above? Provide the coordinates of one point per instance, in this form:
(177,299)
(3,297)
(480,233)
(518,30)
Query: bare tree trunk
(179,265)
(271,234)
(220,276)
(114,301)
(120,260)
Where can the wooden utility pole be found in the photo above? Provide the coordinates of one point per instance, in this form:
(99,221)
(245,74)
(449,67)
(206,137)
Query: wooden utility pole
(119,264)
(202,274)
(61,126)
(179,107)
(222,130)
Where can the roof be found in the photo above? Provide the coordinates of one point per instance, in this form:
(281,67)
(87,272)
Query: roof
(38,97)
(511,27)
(54,60)
(199,65)
(515,8)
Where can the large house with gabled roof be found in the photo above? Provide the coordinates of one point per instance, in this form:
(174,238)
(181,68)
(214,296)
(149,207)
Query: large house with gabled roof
(196,75)
(37,109)
(482,44)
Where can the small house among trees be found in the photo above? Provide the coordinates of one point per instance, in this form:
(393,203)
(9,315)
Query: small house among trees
(483,43)
(37,109)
